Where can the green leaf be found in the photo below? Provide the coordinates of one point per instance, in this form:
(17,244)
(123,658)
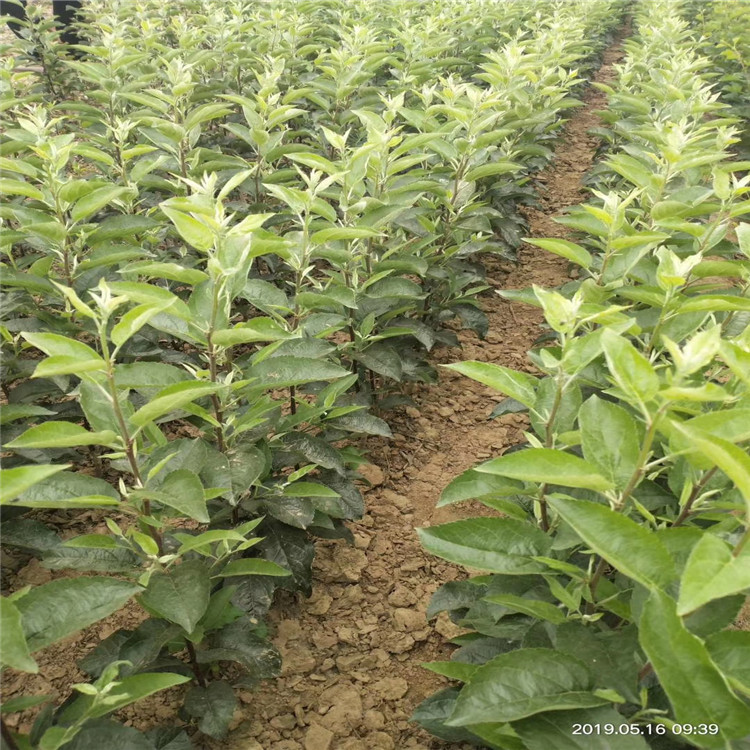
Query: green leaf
(522,683)
(453,670)
(14,652)
(133,321)
(170,399)
(549,466)
(342,233)
(257,329)
(610,439)
(533,607)
(309,489)
(95,201)
(730,651)
(180,595)
(55,345)
(64,365)
(517,385)
(182,490)
(214,706)
(172,271)
(194,232)
(62,607)
(491,170)
(13,482)
(625,544)
(631,371)
(19,187)
(253,566)
(499,545)
(554,729)
(566,249)
(731,459)
(695,687)
(126,691)
(472,484)
(711,572)
(287,370)
(60,435)
(13,412)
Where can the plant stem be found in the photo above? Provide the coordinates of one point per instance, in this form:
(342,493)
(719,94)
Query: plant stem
(8,738)
(685,512)
(197,671)
(292,399)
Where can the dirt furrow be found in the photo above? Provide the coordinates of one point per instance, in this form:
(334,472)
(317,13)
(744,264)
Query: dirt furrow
(352,652)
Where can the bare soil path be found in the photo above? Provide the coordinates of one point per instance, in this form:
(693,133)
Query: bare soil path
(352,652)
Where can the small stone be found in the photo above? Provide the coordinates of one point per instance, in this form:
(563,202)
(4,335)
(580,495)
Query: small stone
(399,644)
(445,411)
(346,634)
(288,630)
(348,663)
(401,502)
(391,688)
(297,660)
(374,719)
(350,562)
(401,596)
(319,603)
(408,620)
(361,541)
(345,713)
(412,412)
(352,744)
(285,721)
(372,474)
(379,741)
(324,640)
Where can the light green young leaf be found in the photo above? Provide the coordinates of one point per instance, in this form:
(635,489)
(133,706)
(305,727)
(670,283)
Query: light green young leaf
(14,651)
(170,399)
(14,482)
(570,250)
(96,200)
(549,466)
(631,371)
(193,231)
(253,566)
(517,385)
(60,435)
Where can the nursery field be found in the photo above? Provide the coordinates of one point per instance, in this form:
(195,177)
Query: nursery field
(376,376)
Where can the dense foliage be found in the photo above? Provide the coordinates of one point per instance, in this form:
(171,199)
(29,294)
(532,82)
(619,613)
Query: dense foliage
(227,228)
(621,559)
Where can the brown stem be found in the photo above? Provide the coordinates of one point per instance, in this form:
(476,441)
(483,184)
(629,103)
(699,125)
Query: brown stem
(292,399)
(646,670)
(8,738)
(694,496)
(197,671)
